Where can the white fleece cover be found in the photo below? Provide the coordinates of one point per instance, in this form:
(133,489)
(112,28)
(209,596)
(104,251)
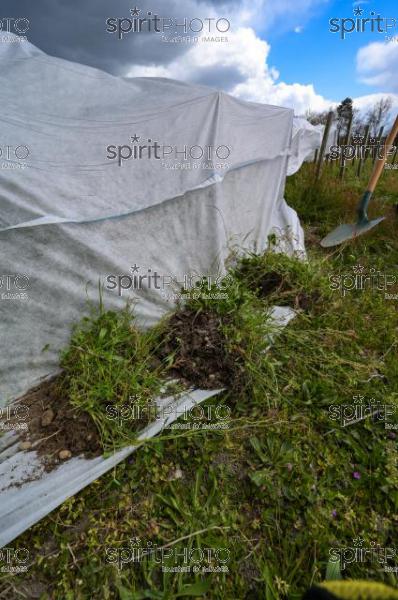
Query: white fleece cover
(70,216)
(306,138)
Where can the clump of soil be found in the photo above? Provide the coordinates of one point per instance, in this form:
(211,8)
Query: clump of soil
(55,429)
(201,355)
(306,301)
(270,282)
(274,282)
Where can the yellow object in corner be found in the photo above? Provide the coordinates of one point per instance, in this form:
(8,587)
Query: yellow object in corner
(360,590)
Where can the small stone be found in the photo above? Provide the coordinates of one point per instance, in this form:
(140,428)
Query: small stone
(153,528)
(25,445)
(176,474)
(65,454)
(47,417)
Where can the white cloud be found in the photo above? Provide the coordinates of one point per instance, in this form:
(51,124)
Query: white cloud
(240,67)
(364,103)
(149,71)
(243,51)
(377,65)
(295,95)
(298,29)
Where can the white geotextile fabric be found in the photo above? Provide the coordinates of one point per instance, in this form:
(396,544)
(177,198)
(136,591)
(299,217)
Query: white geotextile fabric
(305,139)
(71,217)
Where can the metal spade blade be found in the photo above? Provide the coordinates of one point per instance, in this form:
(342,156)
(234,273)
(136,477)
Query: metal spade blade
(348,231)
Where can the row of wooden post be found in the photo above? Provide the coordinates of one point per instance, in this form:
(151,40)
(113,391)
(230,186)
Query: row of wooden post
(322,156)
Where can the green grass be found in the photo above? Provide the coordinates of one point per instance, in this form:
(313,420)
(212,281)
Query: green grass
(277,489)
(325,204)
(109,372)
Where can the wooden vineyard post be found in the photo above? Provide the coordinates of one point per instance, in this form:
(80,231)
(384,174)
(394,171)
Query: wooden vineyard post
(394,158)
(323,146)
(378,144)
(365,143)
(346,142)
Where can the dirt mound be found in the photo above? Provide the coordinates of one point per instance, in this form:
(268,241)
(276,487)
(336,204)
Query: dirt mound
(199,347)
(55,429)
(270,282)
(273,282)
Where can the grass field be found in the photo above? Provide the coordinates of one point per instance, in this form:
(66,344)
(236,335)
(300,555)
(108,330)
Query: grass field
(262,504)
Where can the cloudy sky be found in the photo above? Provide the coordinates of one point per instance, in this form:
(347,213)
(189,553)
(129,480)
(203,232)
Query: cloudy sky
(276,51)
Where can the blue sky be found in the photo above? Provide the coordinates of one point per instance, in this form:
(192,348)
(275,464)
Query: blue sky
(320,57)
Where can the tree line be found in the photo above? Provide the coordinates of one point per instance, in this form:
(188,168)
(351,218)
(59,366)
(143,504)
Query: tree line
(376,117)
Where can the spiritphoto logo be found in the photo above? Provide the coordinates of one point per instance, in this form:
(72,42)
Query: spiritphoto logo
(166,284)
(172,157)
(374,23)
(13,157)
(359,279)
(359,553)
(193,418)
(14,286)
(184,29)
(360,148)
(14,560)
(360,409)
(204,418)
(18,27)
(14,417)
(169,558)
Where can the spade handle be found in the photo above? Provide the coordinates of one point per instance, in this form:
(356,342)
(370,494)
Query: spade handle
(374,178)
(379,164)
